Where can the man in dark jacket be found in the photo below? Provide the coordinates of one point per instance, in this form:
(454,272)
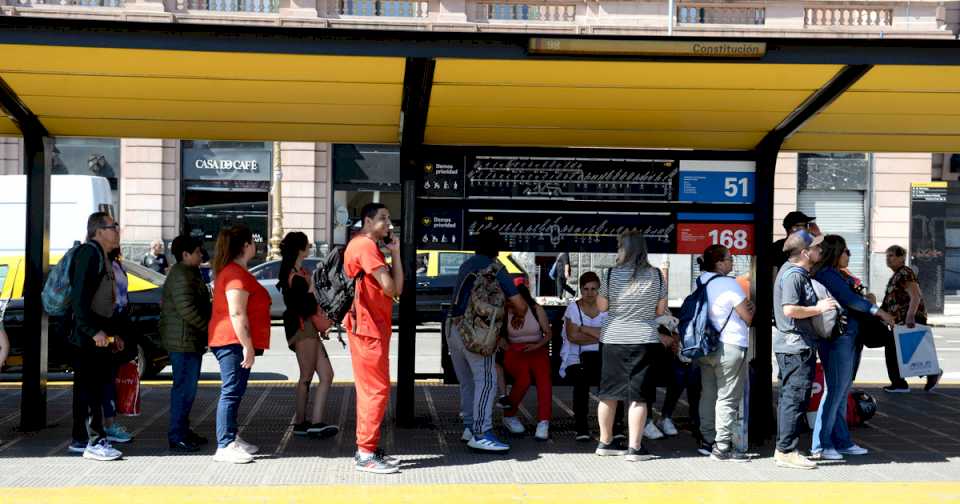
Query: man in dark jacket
(95,333)
(183,331)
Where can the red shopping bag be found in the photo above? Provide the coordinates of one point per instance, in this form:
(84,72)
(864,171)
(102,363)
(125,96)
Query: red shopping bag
(128,390)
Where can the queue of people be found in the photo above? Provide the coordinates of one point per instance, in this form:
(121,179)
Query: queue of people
(618,334)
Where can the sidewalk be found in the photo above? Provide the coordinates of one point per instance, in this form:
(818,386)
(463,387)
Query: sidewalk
(914,439)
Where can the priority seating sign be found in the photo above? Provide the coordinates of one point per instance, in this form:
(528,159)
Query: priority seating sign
(916,352)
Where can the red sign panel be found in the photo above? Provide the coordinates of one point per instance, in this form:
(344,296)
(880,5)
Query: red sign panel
(693,238)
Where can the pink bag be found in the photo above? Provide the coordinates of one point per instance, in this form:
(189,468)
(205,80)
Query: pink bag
(128,390)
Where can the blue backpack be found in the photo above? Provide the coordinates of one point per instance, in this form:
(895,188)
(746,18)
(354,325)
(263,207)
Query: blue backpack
(698,337)
(57,291)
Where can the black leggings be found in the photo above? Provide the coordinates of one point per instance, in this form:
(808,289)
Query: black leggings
(583,376)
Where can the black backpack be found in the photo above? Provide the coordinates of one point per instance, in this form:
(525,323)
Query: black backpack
(335,290)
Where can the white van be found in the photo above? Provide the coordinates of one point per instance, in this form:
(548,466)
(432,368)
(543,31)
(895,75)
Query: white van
(72,199)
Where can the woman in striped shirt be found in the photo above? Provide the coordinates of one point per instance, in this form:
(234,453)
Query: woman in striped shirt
(636,294)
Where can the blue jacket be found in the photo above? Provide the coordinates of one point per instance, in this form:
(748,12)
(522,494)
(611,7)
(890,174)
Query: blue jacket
(841,288)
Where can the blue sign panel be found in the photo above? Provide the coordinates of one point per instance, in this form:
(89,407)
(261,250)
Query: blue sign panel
(717,186)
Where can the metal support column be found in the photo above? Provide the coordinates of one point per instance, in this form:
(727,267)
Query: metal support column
(418,82)
(37,157)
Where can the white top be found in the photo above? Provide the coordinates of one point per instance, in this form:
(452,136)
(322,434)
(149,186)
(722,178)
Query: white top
(570,352)
(724,295)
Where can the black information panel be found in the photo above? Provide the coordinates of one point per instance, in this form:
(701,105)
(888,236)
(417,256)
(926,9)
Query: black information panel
(570,178)
(552,231)
(928,217)
(442,178)
(439,228)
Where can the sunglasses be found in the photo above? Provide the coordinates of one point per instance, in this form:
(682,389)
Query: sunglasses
(846,251)
(115,226)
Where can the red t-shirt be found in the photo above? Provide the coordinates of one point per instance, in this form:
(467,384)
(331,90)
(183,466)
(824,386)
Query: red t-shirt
(373,308)
(221,332)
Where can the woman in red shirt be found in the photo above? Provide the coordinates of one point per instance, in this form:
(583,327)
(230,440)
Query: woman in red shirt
(239,326)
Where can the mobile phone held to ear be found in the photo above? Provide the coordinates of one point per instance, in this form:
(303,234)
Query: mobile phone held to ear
(389,238)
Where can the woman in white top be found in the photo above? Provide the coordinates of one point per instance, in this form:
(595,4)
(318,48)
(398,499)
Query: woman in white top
(724,371)
(580,354)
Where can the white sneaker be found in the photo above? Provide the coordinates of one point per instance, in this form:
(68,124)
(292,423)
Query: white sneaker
(513,425)
(854,449)
(651,431)
(233,453)
(467,436)
(543,431)
(828,454)
(101,451)
(666,425)
(251,449)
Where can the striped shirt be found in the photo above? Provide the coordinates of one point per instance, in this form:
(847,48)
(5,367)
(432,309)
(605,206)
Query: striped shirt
(633,306)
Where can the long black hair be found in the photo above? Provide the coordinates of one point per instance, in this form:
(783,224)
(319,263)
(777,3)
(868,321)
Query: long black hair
(290,247)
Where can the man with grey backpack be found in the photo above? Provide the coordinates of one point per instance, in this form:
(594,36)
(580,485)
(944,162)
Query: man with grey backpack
(473,327)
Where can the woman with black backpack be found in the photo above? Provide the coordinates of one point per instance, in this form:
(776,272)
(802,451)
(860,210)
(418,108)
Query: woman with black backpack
(305,326)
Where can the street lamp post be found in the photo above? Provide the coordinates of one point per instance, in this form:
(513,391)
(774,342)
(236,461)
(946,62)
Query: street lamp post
(277,235)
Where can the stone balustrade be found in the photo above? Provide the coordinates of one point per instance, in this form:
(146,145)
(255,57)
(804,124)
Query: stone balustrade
(522,11)
(860,16)
(725,14)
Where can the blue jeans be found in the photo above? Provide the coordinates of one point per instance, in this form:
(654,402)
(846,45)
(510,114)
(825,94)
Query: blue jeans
(838,357)
(186,374)
(796,378)
(234,385)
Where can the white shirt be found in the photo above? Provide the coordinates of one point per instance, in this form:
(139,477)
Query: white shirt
(724,295)
(570,352)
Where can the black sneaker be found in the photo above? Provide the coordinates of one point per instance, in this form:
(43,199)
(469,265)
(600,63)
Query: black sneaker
(373,463)
(323,430)
(639,454)
(196,439)
(301,429)
(620,437)
(896,389)
(583,436)
(504,402)
(705,448)
(185,446)
(728,455)
(614,448)
(933,381)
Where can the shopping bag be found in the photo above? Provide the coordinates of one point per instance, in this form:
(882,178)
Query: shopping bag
(128,390)
(916,353)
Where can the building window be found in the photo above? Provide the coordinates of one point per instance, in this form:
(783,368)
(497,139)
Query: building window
(226,183)
(364,174)
(98,157)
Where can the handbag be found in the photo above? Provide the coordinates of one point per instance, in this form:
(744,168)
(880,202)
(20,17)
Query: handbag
(127,384)
(872,332)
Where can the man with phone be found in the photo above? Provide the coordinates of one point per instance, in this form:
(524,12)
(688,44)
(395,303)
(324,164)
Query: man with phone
(369,326)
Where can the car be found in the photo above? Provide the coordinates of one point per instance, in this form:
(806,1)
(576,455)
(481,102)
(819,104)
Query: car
(266,273)
(145,295)
(437,272)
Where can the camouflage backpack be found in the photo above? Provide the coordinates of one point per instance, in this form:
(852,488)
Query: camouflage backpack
(480,324)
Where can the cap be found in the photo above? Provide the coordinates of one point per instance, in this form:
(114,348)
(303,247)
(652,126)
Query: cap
(801,240)
(794,218)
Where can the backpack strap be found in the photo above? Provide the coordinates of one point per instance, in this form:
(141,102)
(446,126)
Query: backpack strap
(609,297)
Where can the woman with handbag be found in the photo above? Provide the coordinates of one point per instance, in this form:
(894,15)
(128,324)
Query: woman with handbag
(831,436)
(527,355)
(305,325)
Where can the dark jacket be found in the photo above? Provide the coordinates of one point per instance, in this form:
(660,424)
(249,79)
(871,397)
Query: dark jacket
(300,305)
(92,294)
(186,308)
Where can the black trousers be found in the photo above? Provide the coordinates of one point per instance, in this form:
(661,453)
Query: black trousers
(583,376)
(92,372)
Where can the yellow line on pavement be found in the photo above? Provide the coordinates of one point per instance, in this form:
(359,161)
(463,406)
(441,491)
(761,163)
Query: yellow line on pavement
(667,493)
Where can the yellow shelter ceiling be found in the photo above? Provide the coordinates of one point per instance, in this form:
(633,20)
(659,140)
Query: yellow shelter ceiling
(83,91)
(614,103)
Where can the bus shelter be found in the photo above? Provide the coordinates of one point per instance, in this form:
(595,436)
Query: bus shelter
(676,136)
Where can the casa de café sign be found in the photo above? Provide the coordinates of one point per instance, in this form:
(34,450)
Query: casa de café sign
(227,164)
